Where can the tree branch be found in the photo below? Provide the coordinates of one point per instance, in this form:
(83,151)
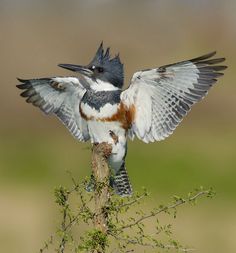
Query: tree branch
(101,173)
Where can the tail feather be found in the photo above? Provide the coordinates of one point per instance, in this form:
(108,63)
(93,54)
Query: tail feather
(121,183)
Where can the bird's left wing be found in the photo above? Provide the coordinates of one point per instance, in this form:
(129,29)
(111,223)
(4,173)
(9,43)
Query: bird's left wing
(60,96)
(163,96)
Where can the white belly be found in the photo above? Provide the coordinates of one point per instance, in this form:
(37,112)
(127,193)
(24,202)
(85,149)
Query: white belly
(101,132)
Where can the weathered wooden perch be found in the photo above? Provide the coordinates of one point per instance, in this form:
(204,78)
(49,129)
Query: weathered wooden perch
(101,173)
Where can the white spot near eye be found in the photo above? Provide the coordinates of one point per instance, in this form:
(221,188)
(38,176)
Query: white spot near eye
(93,67)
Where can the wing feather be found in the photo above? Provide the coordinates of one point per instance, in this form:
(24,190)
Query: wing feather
(164,95)
(60,96)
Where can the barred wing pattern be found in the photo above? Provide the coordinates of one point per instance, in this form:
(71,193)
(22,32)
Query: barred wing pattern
(60,96)
(163,96)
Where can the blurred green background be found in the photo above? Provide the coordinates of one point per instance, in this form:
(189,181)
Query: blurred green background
(35,151)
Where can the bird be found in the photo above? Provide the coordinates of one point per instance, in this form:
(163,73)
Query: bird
(94,106)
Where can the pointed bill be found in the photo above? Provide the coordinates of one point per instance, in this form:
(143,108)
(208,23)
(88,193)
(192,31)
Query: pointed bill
(77,68)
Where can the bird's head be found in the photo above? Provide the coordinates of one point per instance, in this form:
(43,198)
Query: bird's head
(101,68)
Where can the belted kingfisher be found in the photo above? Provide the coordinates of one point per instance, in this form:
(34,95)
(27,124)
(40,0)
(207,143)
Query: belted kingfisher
(93,106)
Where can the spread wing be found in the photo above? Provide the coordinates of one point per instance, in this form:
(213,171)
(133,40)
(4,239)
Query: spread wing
(163,96)
(60,96)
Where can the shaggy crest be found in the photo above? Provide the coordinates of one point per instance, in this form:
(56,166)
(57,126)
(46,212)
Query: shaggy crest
(105,58)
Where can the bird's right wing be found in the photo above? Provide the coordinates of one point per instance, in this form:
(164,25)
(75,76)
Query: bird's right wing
(60,96)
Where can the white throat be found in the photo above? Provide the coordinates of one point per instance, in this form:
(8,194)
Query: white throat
(100,85)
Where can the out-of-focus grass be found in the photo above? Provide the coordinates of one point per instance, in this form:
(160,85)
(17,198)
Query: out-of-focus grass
(184,162)
(33,160)
(178,164)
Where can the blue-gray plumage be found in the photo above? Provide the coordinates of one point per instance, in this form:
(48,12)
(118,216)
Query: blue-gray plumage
(93,106)
(98,99)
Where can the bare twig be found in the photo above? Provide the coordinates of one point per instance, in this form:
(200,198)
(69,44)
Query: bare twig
(46,245)
(130,203)
(152,245)
(164,209)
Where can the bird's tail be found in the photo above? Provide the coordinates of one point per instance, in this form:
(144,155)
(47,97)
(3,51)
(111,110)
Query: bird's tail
(121,183)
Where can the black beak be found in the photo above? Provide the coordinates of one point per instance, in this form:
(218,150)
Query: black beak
(77,68)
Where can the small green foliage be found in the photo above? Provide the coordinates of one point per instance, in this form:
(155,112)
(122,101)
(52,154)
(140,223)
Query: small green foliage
(61,195)
(128,222)
(93,240)
(211,193)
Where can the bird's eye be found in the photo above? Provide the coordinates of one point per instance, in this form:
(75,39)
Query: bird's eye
(100,69)
(97,69)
